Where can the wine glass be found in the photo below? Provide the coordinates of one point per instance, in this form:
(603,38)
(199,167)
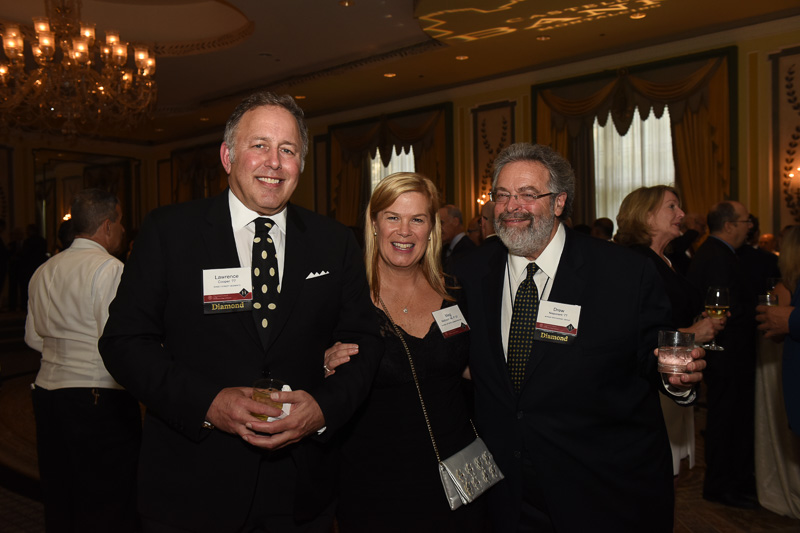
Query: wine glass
(717,305)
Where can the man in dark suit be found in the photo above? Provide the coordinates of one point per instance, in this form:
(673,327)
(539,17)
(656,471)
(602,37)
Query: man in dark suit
(573,416)
(207,463)
(730,379)
(487,223)
(455,242)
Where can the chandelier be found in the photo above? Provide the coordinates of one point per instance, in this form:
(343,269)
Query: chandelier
(58,77)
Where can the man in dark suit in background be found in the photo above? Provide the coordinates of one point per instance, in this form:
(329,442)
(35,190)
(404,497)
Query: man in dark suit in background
(455,242)
(207,463)
(570,412)
(487,223)
(730,378)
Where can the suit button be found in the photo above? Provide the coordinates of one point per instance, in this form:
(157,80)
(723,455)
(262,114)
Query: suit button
(517,454)
(520,414)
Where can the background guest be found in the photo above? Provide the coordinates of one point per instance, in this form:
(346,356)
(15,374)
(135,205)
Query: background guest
(487,223)
(474,230)
(730,375)
(649,218)
(602,228)
(88,429)
(681,249)
(454,241)
(782,323)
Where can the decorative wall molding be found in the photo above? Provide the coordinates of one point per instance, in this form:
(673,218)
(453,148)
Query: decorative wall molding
(786,135)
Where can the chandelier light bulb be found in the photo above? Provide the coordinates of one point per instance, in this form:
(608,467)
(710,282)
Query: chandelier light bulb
(140,55)
(41,24)
(120,56)
(112,37)
(87,31)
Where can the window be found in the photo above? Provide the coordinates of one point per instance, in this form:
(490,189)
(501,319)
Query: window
(402,162)
(642,158)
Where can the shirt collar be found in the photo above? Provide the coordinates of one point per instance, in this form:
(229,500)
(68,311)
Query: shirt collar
(241,216)
(455,240)
(731,248)
(547,261)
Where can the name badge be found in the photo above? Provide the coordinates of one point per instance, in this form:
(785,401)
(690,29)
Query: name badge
(450,321)
(227,290)
(557,322)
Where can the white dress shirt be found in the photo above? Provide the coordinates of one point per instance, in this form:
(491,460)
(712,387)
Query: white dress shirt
(244,230)
(516,272)
(68,304)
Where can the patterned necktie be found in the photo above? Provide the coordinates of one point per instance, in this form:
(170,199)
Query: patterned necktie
(266,285)
(523,323)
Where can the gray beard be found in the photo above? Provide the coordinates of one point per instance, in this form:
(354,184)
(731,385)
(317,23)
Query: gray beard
(529,241)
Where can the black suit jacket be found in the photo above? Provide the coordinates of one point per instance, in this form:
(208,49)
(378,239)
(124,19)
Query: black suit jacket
(463,246)
(160,346)
(715,264)
(588,418)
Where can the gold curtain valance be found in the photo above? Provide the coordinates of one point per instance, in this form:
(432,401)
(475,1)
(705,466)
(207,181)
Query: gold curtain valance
(678,87)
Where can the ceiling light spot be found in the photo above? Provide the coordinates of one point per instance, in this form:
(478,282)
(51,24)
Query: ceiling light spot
(515,20)
(637,16)
(389,75)
(299,97)
(346,3)
(204,119)
(543,38)
(462,58)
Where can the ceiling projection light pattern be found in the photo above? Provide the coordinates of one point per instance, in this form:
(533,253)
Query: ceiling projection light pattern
(59,77)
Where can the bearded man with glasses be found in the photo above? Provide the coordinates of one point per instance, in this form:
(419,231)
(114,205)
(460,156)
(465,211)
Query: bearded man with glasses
(563,331)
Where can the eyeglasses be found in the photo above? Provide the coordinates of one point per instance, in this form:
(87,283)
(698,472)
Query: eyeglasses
(523,197)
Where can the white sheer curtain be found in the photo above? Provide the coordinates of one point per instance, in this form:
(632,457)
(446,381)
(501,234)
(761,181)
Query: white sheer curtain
(642,158)
(402,162)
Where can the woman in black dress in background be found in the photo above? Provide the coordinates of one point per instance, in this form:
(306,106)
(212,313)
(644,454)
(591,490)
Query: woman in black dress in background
(389,479)
(649,218)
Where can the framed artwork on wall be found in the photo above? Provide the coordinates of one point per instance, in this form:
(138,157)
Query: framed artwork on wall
(492,130)
(786,137)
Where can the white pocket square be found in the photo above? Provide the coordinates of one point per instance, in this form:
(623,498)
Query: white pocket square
(317,274)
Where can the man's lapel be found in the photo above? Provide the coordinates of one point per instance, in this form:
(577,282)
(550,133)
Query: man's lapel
(568,286)
(493,297)
(217,234)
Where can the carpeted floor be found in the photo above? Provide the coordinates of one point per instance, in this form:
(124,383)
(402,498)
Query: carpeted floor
(17,429)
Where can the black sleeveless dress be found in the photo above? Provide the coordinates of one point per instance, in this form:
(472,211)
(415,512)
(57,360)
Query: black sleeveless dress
(389,478)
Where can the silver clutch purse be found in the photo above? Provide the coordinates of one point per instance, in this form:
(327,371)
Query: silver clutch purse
(468,473)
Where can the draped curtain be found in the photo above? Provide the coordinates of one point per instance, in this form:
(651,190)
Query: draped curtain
(197,172)
(697,94)
(352,146)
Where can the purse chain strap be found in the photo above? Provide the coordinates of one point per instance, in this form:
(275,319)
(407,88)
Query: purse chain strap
(416,381)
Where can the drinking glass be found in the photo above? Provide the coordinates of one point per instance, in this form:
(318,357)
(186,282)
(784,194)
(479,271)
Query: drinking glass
(674,351)
(261,391)
(770,299)
(717,306)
